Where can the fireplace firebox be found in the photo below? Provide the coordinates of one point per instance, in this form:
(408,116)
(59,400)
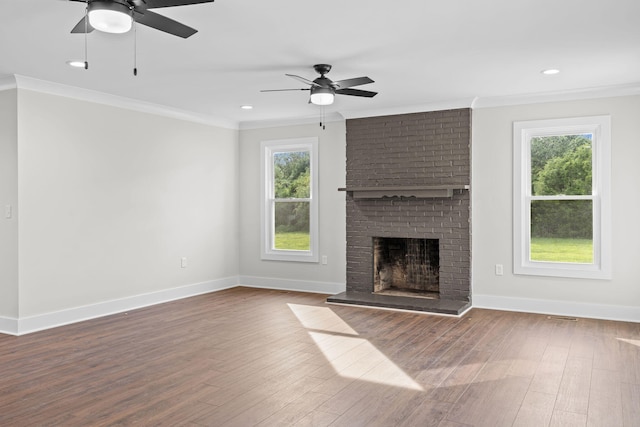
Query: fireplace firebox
(406,266)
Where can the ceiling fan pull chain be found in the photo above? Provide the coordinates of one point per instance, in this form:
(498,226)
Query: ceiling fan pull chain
(135,45)
(86,31)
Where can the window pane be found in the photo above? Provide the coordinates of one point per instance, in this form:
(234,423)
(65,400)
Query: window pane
(291,171)
(292,226)
(561,165)
(562,231)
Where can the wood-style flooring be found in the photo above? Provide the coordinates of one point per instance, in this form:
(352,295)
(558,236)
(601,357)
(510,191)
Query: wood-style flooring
(245,357)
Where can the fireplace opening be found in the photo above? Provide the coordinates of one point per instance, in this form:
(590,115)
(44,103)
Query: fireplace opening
(406,267)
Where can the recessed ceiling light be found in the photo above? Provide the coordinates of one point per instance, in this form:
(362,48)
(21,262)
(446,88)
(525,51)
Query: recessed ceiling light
(76,64)
(247,107)
(550,71)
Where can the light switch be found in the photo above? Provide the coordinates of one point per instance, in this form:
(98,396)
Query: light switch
(8,211)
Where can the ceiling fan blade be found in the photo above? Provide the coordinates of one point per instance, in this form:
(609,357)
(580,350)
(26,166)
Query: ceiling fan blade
(343,84)
(80,27)
(152,4)
(280,90)
(162,23)
(356,92)
(303,80)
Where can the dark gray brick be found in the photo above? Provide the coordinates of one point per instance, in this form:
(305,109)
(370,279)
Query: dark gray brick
(410,149)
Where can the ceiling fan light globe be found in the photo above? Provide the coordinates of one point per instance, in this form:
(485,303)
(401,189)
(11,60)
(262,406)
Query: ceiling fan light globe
(110,17)
(321,96)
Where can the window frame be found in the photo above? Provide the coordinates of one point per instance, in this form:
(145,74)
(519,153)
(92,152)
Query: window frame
(267,206)
(523,132)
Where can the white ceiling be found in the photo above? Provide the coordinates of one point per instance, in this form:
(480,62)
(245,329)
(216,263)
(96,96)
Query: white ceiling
(419,52)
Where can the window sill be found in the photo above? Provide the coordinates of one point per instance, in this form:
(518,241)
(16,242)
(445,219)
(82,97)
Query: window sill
(562,270)
(290,256)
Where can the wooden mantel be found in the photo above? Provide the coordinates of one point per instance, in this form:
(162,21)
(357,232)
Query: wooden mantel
(417,191)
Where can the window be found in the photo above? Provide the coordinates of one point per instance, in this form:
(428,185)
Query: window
(562,223)
(290,200)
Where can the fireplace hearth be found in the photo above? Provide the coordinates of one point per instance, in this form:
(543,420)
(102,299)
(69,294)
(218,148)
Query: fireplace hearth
(408,212)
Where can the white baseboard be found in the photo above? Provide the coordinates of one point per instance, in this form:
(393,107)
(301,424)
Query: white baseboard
(292,285)
(558,308)
(8,325)
(12,326)
(77,314)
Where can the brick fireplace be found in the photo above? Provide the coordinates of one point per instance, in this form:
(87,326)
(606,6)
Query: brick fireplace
(408,180)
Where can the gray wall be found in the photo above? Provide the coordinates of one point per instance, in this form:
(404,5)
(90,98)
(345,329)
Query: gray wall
(111,199)
(618,298)
(327,278)
(8,196)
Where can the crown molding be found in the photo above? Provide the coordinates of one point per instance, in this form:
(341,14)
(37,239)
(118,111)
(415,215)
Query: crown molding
(306,120)
(81,94)
(502,101)
(8,82)
(567,95)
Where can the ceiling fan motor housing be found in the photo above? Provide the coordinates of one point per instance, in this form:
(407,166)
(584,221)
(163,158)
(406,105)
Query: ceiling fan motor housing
(323,82)
(117,6)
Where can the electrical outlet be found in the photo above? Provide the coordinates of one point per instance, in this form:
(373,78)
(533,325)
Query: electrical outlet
(183,262)
(8,211)
(499,270)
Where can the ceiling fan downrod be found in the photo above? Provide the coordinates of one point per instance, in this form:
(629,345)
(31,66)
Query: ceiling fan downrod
(86,31)
(135,45)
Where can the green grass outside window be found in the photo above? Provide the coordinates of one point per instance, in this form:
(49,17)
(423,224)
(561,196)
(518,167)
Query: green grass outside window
(562,250)
(294,241)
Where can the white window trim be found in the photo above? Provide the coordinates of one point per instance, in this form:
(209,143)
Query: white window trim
(523,132)
(267,250)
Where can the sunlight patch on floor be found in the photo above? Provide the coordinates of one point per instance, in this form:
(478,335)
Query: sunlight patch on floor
(632,342)
(321,319)
(349,355)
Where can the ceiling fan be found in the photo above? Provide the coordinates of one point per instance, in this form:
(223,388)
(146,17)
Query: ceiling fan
(117,16)
(324,89)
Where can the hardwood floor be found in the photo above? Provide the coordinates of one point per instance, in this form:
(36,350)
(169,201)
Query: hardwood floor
(245,357)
